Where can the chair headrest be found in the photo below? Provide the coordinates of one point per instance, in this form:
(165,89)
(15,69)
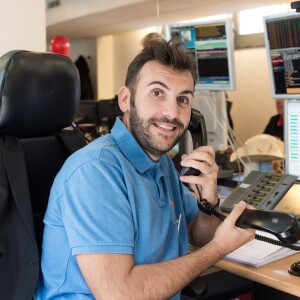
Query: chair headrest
(39,93)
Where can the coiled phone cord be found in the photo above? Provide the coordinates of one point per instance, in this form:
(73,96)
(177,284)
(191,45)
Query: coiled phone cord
(207,208)
(275,242)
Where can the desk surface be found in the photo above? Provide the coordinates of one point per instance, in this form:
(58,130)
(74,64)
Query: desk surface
(274,274)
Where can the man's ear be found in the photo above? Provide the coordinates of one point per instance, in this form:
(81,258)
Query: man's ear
(124,99)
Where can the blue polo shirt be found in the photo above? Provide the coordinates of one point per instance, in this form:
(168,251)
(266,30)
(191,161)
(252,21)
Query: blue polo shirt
(110,197)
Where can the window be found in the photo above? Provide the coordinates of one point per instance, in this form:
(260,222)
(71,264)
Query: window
(250,21)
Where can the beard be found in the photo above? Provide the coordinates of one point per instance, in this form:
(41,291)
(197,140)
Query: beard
(140,129)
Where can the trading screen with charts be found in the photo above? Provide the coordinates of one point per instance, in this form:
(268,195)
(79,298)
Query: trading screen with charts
(211,44)
(282,35)
(292,136)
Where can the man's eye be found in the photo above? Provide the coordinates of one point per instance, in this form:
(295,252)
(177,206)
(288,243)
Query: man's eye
(156,93)
(183,100)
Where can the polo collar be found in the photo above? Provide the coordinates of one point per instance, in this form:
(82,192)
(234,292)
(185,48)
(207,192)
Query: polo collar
(131,149)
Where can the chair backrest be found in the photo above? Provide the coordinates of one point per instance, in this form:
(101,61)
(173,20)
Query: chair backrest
(39,95)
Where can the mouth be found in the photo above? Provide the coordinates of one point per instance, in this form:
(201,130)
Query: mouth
(165,127)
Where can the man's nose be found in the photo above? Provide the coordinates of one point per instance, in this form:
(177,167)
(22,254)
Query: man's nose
(171,109)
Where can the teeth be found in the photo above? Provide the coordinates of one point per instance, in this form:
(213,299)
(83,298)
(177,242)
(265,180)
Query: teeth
(166,127)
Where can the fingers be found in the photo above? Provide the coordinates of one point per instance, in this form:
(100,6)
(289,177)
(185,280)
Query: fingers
(228,235)
(202,159)
(204,149)
(250,206)
(203,167)
(237,211)
(209,170)
(209,149)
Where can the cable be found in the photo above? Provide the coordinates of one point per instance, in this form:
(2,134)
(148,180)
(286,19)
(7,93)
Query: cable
(206,207)
(231,137)
(74,126)
(275,242)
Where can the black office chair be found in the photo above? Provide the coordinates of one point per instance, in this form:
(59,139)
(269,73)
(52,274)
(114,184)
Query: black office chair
(39,94)
(219,285)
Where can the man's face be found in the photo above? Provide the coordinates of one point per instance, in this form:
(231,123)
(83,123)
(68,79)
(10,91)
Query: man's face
(159,112)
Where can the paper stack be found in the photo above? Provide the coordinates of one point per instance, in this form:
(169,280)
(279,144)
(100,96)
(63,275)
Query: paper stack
(258,253)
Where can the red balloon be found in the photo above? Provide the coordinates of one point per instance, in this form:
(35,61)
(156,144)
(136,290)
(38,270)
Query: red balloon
(60,44)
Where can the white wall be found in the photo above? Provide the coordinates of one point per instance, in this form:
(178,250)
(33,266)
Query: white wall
(22,25)
(105,67)
(72,9)
(252,100)
(114,53)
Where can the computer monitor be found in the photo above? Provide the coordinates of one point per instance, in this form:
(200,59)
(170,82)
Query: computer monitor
(282,40)
(108,111)
(87,112)
(211,43)
(289,203)
(292,136)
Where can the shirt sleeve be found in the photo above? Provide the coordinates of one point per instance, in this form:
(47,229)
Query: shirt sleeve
(95,210)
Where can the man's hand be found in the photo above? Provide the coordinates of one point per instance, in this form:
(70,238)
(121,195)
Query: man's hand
(229,237)
(202,159)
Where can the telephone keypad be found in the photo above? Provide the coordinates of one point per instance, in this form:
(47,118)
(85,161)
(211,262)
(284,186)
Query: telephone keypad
(262,189)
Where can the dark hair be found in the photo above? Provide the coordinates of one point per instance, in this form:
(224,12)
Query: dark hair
(152,36)
(167,53)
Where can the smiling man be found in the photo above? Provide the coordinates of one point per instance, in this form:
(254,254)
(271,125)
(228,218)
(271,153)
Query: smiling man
(119,217)
(159,111)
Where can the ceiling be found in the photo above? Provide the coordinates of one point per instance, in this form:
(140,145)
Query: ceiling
(144,13)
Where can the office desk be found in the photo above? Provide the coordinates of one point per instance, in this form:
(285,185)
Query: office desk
(274,274)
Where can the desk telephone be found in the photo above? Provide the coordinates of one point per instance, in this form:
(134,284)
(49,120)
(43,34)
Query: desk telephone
(263,190)
(264,193)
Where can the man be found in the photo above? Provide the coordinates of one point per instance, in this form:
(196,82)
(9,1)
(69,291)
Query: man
(119,217)
(275,125)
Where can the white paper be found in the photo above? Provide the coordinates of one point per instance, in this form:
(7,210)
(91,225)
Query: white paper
(258,253)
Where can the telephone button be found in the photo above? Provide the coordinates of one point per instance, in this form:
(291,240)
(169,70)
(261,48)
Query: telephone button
(250,202)
(273,182)
(269,187)
(259,196)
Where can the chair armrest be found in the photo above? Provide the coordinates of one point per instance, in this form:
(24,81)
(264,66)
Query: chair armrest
(196,289)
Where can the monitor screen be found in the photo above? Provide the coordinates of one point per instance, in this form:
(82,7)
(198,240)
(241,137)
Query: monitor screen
(108,111)
(87,112)
(292,136)
(282,39)
(290,201)
(211,43)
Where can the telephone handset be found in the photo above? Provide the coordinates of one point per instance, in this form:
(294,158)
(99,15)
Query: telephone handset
(284,226)
(263,191)
(198,132)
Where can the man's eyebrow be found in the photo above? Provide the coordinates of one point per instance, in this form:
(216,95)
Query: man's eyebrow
(160,83)
(165,86)
(187,92)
